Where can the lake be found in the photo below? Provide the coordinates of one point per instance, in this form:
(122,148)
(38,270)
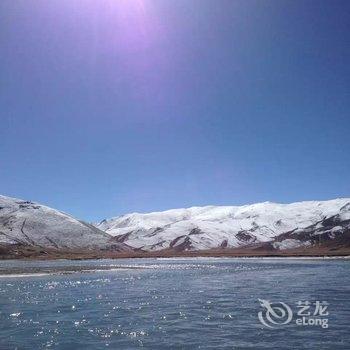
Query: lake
(199,303)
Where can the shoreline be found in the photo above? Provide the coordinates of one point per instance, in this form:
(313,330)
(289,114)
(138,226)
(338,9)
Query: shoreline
(77,256)
(58,270)
(25,252)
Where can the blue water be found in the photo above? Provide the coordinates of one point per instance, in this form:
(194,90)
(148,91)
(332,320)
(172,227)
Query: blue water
(173,304)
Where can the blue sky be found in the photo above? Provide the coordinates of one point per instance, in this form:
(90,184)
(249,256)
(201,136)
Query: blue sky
(109,107)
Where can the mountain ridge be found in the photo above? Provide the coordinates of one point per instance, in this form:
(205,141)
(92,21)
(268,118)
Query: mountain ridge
(28,223)
(29,229)
(233,226)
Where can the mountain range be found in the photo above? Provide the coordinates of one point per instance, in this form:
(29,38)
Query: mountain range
(263,226)
(283,226)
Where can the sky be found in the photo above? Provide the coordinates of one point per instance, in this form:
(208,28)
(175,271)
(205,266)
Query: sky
(117,106)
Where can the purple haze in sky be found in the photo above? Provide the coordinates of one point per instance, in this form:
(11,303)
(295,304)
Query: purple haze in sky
(113,106)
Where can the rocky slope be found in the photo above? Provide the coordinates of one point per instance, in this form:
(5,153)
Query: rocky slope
(24,223)
(29,229)
(271,225)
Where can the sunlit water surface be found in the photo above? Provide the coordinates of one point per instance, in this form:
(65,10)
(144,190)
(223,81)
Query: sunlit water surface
(172,304)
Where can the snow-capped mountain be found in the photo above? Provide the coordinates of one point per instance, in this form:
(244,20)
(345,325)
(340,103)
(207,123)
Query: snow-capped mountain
(28,223)
(281,225)
(278,226)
